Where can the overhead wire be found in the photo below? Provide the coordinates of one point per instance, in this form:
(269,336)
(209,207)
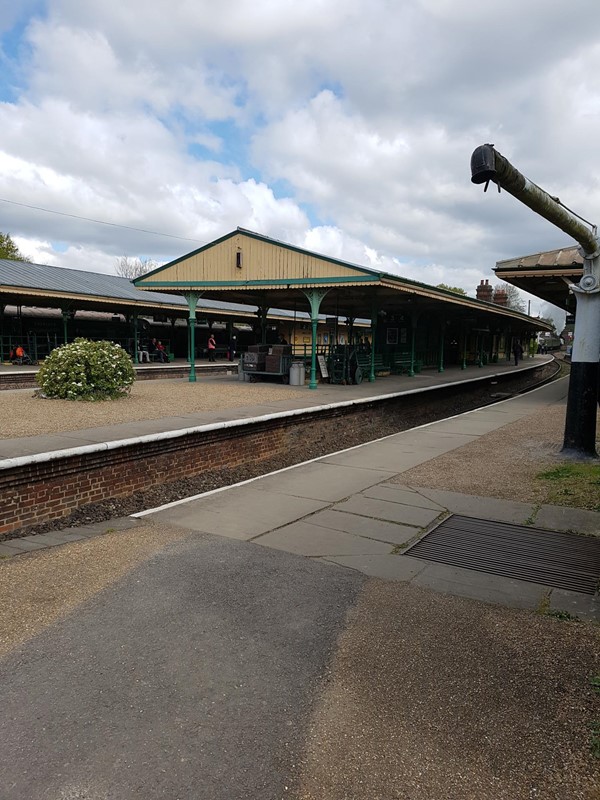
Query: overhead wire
(100,221)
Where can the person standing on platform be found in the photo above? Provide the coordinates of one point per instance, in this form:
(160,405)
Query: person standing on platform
(212,346)
(232,347)
(517,351)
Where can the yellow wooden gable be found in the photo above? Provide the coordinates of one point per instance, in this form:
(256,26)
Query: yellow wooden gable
(243,258)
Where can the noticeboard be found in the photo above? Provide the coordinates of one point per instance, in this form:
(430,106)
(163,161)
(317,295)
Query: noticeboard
(323,366)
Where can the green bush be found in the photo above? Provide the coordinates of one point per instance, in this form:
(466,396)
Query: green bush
(86,370)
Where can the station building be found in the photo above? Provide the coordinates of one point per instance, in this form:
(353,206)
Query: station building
(258,289)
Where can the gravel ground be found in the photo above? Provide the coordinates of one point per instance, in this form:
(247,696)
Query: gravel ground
(24,414)
(37,588)
(435,697)
(520,450)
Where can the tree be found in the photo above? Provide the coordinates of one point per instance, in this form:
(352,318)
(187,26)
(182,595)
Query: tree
(549,321)
(8,249)
(513,295)
(131,268)
(455,289)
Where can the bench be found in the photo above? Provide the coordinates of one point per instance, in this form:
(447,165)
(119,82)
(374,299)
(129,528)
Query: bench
(380,367)
(400,364)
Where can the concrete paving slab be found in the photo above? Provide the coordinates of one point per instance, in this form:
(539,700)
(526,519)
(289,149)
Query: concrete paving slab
(239,513)
(580,605)
(305,539)
(397,494)
(481,586)
(390,532)
(481,507)
(6,550)
(393,512)
(391,568)
(13,448)
(561,518)
(472,424)
(51,539)
(105,526)
(322,481)
(385,456)
(24,545)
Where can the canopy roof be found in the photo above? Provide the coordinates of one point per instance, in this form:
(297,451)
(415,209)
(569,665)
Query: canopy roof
(23,283)
(249,268)
(545,275)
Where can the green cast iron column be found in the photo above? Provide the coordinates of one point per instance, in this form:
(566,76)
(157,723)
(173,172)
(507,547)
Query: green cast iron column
(65,317)
(442,333)
(373,333)
(314,296)
(135,337)
(413,336)
(192,301)
(464,359)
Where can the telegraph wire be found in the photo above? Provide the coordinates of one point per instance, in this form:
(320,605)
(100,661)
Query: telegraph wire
(101,222)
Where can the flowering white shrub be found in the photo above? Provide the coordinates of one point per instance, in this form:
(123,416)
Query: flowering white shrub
(86,370)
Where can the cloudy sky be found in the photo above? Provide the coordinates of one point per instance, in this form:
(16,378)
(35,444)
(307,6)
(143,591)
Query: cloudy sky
(343,126)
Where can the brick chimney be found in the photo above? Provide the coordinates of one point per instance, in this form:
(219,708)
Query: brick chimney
(485,291)
(501,297)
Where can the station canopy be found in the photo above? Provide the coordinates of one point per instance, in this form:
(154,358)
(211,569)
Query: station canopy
(252,269)
(546,275)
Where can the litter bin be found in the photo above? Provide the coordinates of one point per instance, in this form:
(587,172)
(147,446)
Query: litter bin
(297,373)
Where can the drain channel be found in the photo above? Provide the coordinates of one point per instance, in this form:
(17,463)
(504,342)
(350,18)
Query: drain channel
(560,560)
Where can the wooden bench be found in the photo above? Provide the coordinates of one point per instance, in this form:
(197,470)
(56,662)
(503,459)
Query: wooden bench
(401,364)
(380,366)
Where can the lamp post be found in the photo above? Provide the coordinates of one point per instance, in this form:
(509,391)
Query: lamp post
(487,164)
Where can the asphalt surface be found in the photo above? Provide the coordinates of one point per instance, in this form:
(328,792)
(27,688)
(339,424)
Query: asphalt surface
(192,677)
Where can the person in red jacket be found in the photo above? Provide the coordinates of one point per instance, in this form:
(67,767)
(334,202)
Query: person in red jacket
(212,346)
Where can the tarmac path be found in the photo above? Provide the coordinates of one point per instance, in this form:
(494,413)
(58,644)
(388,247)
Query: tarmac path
(190,677)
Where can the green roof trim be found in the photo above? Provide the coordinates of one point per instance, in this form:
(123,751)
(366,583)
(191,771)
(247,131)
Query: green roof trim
(265,282)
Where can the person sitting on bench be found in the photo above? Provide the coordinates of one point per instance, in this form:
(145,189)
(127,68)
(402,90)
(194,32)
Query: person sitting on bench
(21,356)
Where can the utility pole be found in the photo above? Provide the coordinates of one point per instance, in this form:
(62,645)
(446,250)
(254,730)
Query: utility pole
(487,164)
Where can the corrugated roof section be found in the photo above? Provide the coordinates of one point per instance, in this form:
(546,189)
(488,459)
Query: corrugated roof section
(73,281)
(24,274)
(565,257)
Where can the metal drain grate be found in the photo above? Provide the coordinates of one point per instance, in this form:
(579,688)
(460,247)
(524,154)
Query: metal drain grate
(561,560)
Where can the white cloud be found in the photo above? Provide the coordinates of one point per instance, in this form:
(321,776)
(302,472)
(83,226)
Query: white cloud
(340,125)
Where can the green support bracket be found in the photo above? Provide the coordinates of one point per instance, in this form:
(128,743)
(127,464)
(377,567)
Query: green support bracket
(192,301)
(314,297)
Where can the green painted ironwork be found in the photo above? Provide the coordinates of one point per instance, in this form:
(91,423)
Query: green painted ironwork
(135,338)
(314,297)
(264,282)
(192,301)
(373,335)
